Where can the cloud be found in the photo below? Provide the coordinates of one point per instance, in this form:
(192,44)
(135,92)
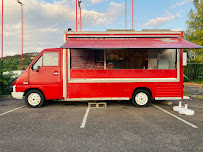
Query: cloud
(45,22)
(96,1)
(181,3)
(158,22)
(177,29)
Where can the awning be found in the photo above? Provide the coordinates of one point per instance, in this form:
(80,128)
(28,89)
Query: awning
(129,43)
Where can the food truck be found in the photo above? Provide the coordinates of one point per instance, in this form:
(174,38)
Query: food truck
(110,65)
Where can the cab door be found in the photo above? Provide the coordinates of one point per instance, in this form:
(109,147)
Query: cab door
(45,74)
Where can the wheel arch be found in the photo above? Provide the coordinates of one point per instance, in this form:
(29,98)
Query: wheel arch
(34,89)
(144,88)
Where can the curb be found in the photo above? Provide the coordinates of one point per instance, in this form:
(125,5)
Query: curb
(6,97)
(199,97)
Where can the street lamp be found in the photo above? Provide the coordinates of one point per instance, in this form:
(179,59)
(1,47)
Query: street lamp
(125,15)
(22,32)
(76,15)
(132,15)
(1,70)
(2,20)
(79,2)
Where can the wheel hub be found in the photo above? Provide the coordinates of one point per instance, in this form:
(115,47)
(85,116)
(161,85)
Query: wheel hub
(141,98)
(34,99)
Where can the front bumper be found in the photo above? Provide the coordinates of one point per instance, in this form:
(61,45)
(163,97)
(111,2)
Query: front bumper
(17,95)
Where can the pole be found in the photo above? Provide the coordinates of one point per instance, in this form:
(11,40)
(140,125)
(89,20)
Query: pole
(1,70)
(2,21)
(80,20)
(79,4)
(22,36)
(125,16)
(76,15)
(132,14)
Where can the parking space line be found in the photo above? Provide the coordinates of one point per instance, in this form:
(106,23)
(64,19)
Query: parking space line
(85,118)
(176,116)
(11,111)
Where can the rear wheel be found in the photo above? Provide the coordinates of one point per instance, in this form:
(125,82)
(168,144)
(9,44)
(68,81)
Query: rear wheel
(34,99)
(141,98)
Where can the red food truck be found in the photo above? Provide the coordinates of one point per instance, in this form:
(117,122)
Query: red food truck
(111,65)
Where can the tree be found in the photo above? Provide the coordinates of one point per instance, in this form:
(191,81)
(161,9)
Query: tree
(194,32)
(6,79)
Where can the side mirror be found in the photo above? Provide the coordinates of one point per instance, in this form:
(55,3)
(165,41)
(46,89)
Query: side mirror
(35,70)
(38,67)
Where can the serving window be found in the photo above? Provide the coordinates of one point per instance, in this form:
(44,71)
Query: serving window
(94,59)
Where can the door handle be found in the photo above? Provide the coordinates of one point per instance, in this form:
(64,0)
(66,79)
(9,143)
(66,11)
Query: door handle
(56,73)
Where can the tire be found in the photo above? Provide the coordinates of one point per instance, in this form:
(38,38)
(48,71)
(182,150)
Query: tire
(34,99)
(141,98)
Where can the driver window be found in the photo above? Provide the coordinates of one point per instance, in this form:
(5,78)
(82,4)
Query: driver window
(38,64)
(47,59)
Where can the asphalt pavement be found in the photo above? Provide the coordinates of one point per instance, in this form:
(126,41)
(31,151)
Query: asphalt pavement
(119,127)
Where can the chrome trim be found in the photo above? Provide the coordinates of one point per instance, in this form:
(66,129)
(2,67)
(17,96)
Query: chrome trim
(68,64)
(90,99)
(14,88)
(123,80)
(168,98)
(56,73)
(178,65)
(64,75)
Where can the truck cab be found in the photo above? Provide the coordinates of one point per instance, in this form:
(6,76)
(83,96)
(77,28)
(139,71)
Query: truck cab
(42,78)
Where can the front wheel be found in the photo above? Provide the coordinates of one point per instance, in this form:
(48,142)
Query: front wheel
(34,99)
(141,98)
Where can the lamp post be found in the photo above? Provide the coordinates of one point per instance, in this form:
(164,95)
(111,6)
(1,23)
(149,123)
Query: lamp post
(79,2)
(76,9)
(125,15)
(21,32)
(2,21)
(1,66)
(132,14)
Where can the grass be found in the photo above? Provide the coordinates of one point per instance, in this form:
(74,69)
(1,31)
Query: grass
(198,81)
(197,96)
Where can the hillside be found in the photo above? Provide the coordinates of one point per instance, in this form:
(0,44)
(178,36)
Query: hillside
(14,62)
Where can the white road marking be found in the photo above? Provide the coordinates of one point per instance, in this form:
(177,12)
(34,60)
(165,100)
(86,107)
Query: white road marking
(176,117)
(11,111)
(85,118)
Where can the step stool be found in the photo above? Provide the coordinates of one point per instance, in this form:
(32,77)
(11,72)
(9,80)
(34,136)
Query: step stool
(169,103)
(97,104)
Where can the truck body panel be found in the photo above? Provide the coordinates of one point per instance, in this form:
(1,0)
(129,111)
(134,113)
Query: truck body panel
(109,65)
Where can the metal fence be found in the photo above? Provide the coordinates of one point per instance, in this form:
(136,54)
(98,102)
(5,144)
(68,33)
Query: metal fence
(193,71)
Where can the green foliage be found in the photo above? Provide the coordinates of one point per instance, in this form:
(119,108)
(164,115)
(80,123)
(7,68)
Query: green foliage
(6,82)
(194,33)
(10,64)
(193,72)
(14,62)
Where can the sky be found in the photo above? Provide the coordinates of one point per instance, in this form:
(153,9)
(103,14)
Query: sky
(46,20)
